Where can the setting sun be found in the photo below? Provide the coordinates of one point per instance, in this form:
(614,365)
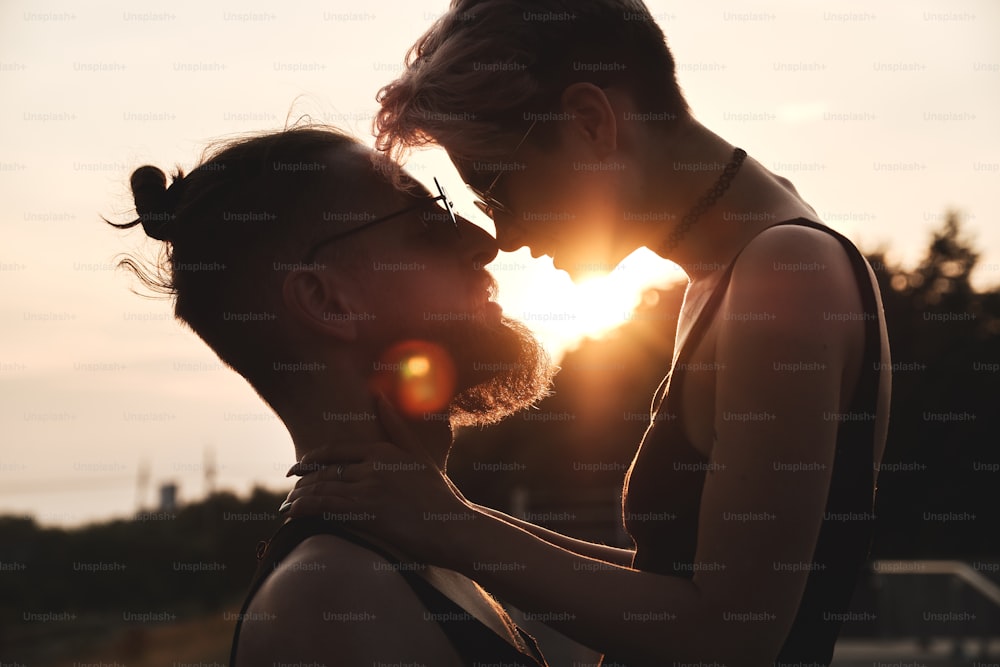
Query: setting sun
(563,313)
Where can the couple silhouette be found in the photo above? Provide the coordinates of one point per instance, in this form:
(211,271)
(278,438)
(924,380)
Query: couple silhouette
(367,322)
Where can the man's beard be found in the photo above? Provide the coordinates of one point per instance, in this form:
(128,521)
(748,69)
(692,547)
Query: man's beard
(515,369)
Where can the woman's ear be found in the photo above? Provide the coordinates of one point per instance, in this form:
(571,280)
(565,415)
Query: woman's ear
(319,301)
(592,118)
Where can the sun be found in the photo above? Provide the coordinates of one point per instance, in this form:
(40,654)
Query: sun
(563,313)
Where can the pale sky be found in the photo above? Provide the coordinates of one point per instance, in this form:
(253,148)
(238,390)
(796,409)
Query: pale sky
(882,114)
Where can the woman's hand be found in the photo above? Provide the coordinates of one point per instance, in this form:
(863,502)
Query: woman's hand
(389,490)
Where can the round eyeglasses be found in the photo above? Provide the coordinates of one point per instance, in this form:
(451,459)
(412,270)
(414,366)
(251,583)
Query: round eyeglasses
(485,201)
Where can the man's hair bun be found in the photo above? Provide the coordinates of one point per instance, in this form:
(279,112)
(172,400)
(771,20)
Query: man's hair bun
(149,184)
(153,201)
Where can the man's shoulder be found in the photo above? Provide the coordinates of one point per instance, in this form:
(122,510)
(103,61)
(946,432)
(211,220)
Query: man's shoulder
(326,572)
(332,597)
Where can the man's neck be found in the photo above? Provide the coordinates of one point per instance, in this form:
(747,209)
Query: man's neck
(342,415)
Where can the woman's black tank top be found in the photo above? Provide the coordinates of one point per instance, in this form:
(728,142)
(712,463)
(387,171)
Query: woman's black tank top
(664,484)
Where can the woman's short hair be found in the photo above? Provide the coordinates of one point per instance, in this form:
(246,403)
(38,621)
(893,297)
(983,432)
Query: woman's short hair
(485,70)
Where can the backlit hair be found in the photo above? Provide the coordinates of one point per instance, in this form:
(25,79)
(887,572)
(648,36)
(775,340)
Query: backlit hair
(477,78)
(237,223)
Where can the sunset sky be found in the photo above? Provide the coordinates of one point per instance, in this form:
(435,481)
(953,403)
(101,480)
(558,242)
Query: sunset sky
(884,115)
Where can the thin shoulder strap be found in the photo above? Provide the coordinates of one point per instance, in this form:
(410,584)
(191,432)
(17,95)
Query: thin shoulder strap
(867,396)
(868,299)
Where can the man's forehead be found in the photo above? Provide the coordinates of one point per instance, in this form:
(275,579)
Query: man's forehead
(411,186)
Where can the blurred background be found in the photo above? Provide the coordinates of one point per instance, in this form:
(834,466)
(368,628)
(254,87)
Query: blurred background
(137,474)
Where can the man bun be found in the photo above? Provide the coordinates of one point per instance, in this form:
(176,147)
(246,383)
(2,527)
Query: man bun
(154,202)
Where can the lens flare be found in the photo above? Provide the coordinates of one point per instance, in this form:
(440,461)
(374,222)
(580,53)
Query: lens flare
(417,376)
(417,366)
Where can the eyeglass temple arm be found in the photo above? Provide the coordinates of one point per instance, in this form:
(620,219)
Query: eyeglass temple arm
(312,252)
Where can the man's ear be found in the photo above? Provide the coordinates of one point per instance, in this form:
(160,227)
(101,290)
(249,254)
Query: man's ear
(319,302)
(592,117)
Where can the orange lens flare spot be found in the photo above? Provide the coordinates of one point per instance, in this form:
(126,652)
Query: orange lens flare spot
(417,376)
(415,367)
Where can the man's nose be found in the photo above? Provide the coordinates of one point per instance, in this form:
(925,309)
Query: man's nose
(477,244)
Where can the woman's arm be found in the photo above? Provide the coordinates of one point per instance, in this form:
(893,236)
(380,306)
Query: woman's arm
(319,458)
(602,552)
(615,555)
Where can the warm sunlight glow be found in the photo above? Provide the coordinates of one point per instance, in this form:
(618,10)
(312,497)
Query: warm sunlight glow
(563,313)
(560,312)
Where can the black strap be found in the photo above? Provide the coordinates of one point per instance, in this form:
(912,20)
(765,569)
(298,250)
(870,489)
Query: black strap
(472,640)
(705,318)
(865,399)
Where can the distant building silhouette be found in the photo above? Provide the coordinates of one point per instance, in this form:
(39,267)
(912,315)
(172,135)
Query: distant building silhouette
(210,470)
(168,497)
(141,485)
